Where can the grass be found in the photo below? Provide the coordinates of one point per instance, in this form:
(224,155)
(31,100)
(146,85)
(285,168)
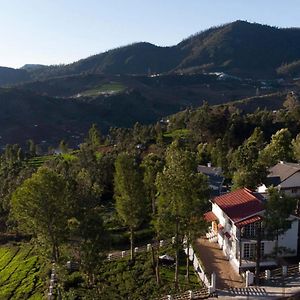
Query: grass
(112,87)
(20,273)
(178,133)
(39,160)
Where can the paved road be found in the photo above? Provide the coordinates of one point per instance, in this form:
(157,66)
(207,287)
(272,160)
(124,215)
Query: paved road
(215,261)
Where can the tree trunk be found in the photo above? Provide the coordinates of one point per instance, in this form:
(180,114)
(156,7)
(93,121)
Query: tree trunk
(156,265)
(131,244)
(258,254)
(188,261)
(176,255)
(276,247)
(153,203)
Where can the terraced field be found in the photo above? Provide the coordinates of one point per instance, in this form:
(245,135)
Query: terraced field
(20,274)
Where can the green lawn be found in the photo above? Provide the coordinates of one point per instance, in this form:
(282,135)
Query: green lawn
(20,273)
(112,87)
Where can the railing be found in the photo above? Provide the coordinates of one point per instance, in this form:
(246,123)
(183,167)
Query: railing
(197,266)
(195,294)
(145,248)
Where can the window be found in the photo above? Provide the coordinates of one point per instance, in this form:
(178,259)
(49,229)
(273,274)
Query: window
(250,250)
(249,230)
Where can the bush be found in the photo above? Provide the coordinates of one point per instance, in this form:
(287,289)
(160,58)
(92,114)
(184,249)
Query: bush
(73,281)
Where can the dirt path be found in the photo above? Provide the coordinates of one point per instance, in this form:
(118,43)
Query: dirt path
(215,261)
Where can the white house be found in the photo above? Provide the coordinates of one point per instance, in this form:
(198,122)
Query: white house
(284,176)
(233,226)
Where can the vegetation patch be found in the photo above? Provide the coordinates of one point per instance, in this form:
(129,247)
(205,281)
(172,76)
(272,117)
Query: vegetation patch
(108,88)
(20,273)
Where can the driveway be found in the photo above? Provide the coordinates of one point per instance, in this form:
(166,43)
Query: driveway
(215,261)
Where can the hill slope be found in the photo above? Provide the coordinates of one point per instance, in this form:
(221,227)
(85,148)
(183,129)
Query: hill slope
(239,48)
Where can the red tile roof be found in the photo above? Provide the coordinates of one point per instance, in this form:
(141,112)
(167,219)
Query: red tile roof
(240,204)
(247,221)
(210,216)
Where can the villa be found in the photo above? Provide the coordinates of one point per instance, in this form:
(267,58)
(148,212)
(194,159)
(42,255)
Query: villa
(233,219)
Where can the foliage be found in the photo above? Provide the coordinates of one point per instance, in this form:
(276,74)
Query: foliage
(21,273)
(40,206)
(129,193)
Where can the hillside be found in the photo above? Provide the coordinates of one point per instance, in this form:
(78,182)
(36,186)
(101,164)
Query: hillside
(238,48)
(64,108)
(12,76)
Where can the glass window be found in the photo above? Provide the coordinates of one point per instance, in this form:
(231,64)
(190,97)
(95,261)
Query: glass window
(250,250)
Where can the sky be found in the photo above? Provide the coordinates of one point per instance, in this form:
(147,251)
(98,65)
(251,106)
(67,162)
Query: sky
(63,31)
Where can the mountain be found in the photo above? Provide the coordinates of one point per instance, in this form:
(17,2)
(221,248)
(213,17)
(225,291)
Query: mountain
(32,67)
(239,48)
(12,76)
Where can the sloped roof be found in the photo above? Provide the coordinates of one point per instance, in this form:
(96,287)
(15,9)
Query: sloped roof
(240,204)
(215,177)
(282,171)
(249,220)
(210,216)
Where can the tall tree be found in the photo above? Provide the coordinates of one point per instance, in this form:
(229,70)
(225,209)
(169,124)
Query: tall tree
(279,207)
(94,136)
(129,194)
(183,194)
(40,206)
(152,164)
(279,148)
(249,169)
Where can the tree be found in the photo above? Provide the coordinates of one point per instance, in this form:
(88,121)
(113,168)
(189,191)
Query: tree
(183,198)
(129,194)
(94,241)
(296,147)
(94,136)
(250,170)
(63,147)
(40,206)
(279,148)
(279,207)
(152,164)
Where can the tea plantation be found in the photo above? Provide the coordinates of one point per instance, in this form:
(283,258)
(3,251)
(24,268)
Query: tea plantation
(20,273)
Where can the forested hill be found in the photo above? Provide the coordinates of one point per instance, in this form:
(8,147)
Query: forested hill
(238,48)
(12,76)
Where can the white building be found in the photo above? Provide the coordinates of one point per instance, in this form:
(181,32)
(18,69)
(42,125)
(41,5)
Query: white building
(285,177)
(233,226)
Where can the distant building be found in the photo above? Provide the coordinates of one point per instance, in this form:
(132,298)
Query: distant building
(285,177)
(215,178)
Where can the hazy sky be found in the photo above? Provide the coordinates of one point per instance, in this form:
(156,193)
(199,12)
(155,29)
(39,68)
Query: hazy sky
(62,31)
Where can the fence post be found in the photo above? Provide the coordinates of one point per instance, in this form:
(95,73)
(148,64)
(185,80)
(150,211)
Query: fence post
(213,282)
(284,270)
(170,297)
(123,253)
(191,295)
(267,274)
(247,278)
(136,249)
(173,240)
(109,256)
(148,247)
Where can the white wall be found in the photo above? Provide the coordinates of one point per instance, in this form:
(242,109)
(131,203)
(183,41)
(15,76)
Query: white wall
(290,238)
(293,181)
